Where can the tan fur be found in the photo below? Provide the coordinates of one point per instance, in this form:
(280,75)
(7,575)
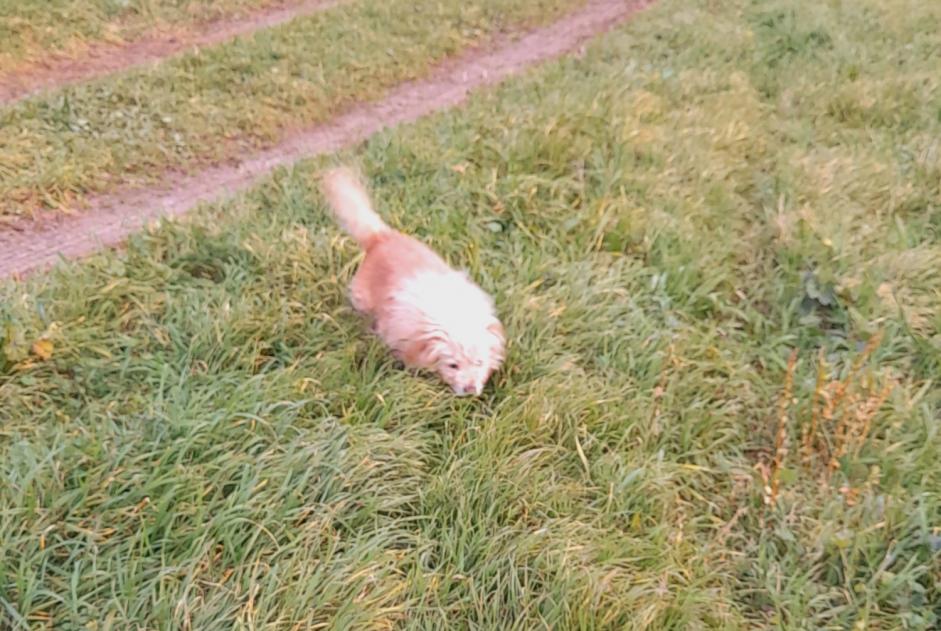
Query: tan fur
(431,316)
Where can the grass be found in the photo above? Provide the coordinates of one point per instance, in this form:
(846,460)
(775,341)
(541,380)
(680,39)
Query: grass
(219,102)
(32,29)
(714,241)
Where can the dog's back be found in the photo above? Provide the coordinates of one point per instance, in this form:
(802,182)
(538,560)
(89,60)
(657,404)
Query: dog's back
(391,257)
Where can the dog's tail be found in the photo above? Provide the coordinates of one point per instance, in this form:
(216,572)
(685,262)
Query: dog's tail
(351,205)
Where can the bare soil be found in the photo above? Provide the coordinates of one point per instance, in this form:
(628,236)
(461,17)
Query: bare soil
(103,58)
(29,245)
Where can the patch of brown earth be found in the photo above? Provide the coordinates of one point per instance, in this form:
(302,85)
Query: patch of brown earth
(102,58)
(28,246)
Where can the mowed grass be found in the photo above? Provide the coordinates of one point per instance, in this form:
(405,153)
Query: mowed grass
(32,29)
(200,433)
(222,101)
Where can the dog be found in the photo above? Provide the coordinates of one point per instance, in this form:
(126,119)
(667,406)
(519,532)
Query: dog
(431,316)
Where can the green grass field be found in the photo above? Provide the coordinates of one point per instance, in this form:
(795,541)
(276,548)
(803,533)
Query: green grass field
(714,240)
(218,103)
(31,29)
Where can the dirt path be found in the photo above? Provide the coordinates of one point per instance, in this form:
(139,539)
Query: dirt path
(102,58)
(109,219)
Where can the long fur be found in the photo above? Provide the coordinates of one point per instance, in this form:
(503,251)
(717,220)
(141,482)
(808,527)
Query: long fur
(352,207)
(431,316)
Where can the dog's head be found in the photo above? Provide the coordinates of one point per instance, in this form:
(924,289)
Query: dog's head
(458,334)
(465,362)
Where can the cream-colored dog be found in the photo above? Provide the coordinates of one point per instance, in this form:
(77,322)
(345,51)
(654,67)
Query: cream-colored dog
(431,316)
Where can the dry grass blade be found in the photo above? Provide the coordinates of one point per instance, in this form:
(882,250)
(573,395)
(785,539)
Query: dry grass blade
(781,435)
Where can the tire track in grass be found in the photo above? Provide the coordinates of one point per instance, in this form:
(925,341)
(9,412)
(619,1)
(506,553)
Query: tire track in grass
(29,246)
(103,59)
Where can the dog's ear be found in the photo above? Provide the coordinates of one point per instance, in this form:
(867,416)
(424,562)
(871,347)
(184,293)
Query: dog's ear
(415,353)
(497,329)
(498,348)
(423,353)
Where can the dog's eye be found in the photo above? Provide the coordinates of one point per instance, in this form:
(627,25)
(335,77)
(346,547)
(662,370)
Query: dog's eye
(453,366)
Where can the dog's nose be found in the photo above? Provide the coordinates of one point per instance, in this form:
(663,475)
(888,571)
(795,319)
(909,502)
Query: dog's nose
(470,389)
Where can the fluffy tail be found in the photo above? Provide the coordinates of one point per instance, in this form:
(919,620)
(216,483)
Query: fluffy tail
(352,207)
